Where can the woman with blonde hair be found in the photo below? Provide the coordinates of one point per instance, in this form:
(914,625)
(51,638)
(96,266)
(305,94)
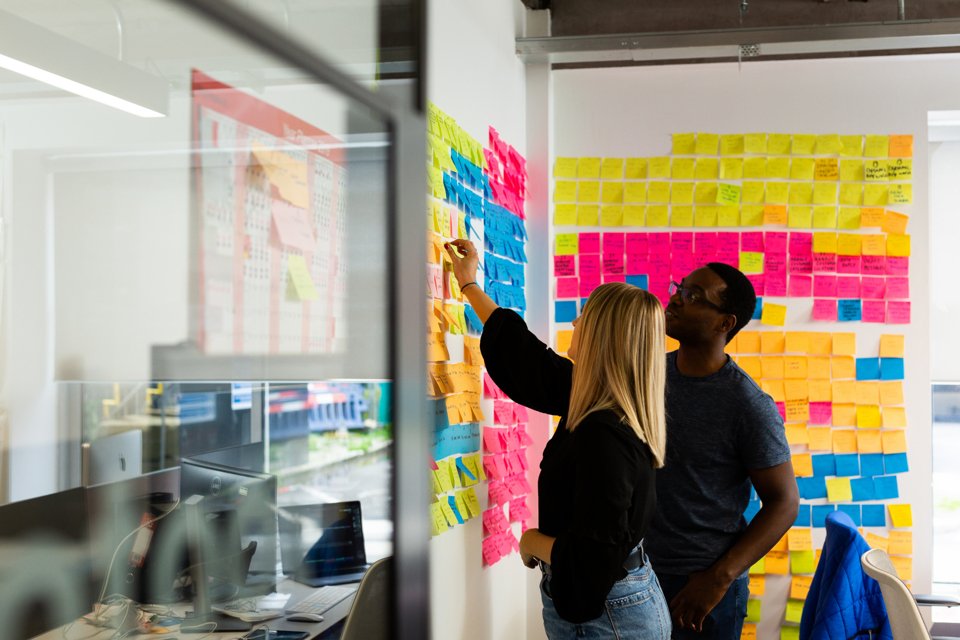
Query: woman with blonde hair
(596,487)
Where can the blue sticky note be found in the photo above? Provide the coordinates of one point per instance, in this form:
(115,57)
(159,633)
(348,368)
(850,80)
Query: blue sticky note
(863,489)
(849,310)
(753,493)
(639,281)
(895,463)
(874,515)
(868,368)
(803,516)
(820,513)
(583,301)
(456,512)
(891,368)
(758,310)
(871,464)
(812,488)
(848,464)
(464,469)
(824,465)
(564,310)
(886,487)
(752,508)
(852,510)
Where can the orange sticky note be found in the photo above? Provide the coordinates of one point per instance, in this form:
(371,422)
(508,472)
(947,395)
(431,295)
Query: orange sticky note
(844,441)
(871,217)
(838,490)
(795,367)
(802,465)
(797,410)
(821,343)
(843,367)
(844,344)
(877,542)
(749,629)
(898,245)
(777,562)
(869,442)
(844,415)
(894,417)
(775,389)
(873,245)
(904,567)
(901,515)
(894,441)
(868,416)
(848,244)
(772,342)
(818,368)
(799,539)
(894,222)
(797,433)
(774,214)
(821,438)
(901,543)
(797,342)
(891,346)
(844,391)
(868,392)
(781,544)
(771,367)
(563,340)
(758,585)
(819,390)
(795,390)
(751,365)
(800,587)
(900,146)
(891,392)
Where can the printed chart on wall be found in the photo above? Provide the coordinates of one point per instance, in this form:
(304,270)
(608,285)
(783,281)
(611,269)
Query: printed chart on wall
(819,224)
(270,212)
(476,192)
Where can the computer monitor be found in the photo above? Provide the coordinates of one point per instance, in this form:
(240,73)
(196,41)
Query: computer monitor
(239,510)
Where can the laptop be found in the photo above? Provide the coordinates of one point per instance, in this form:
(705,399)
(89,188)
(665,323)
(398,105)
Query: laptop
(113,458)
(322,544)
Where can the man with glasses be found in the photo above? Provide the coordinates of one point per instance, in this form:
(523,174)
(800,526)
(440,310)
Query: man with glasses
(723,433)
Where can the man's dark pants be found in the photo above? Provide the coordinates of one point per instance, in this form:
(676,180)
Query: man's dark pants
(725,621)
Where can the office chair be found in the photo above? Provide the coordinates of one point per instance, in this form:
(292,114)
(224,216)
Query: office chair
(369,617)
(902,605)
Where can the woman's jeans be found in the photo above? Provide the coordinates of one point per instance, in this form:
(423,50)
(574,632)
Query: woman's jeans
(635,609)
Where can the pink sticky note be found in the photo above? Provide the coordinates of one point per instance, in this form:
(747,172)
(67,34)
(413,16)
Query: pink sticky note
(758,282)
(898,266)
(775,263)
(825,286)
(564,265)
(511,438)
(848,287)
(825,310)
(590,266)
(613,242)
(705,243)
(775,241)
(873,288)
(568,287)
(681,241)
(293,226)
(782,409)
(638,243)
(898,288)
(637,263)
(800,286)
(873,265)
(801,262)
(874,310)
(589,242)
(491,440)
(801,242)
(898,312)
(490,388)
(491,554)
(824,263)
(614,277)
(612,263)
(848,264)
(503,412)
(751,241)
(520,412)
(587,286)
(821,412)
(490,466)
(659,243)
(775,284)
(500,461)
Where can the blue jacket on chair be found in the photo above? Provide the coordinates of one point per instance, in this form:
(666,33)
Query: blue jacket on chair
(843,602)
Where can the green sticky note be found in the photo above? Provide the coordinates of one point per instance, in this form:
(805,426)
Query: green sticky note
(751,262)
(758,567)
(794,611)
(728,193)
(802,562)
(567,244)
(789,633)
(753,609)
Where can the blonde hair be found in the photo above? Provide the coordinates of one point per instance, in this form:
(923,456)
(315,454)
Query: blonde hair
(621,363)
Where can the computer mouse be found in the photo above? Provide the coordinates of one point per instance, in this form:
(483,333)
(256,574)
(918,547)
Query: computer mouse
(305,617)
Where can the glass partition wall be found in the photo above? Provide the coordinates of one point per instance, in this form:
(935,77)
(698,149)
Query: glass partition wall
(205,231)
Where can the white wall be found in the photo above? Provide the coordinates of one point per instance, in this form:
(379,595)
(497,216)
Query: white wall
(475,77)
(632,111)
(945,260)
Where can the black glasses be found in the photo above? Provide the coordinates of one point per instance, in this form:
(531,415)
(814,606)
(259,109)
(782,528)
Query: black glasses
(691,296)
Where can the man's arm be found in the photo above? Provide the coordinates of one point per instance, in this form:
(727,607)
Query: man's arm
(777,489)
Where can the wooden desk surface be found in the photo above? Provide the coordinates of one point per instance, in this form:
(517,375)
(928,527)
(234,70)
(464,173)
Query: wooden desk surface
(80,630)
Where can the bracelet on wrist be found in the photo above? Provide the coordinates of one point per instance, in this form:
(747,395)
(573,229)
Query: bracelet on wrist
(473,282)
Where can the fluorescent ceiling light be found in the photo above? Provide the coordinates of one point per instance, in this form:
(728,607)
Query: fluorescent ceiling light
(37,53)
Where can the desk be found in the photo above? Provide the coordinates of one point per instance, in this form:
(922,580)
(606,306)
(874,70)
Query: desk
(80,630)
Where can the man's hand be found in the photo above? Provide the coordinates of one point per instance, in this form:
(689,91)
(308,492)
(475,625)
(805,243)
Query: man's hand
(529,561)
(697,599)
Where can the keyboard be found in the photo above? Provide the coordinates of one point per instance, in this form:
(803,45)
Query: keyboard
(323,599)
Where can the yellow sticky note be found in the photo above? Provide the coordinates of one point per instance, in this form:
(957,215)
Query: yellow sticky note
(875,195)
(869,442)
(901,515)
(868,416)
(828,145)
(795,367)
(684,144)
(565,214)
(844,441)
(900,543)
(772,369)
(891,346)
(657,215)
(565,191)
(904,567)
(755,143)
(611,169)
(900,169)
(802,144)
(894,441)
(731,144)
(818,368)
(796,341)
(565,168)
(894,417)
(753,609)
(873,245)
(778,143)
(567,244)
(891,393)
(588,168)
(681,193)
(777,192)
(588,191)
(825,193)
(658,167)
(851,170)
(772,342)
(706,169)
(898,245)
(844,344)
(875,171)
(844,391)
(799,217)
(900,194)
(838,490)
(658,192)
(611,192)
(635,169)
(868,392)
(800,193)
(634,215)
(824,242)
(707,144)
(802,465)
(635,192)
(682,168)
(843,367)
(751,215)
(876,146)
(563,340)
(773,314)
(877,542)
(821,343)
(802,169)
(300,280)
(705,193)
(588,215)
(681,216)
(706,216)
(819,390)
(755,168)
(851,145)
(286,173)
(848,218)
(844,415)
(752,192)
(778,167)
(611,215)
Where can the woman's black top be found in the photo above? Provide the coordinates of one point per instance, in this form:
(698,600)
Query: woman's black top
(596,485)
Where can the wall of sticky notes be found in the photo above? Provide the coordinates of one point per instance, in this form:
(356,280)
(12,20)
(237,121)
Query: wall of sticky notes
(820,208)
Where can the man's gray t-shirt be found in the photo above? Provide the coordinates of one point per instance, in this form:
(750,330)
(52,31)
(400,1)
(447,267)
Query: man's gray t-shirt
(718,428)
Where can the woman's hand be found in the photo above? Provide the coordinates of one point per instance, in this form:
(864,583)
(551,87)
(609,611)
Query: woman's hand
(528,561)
(463,254)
